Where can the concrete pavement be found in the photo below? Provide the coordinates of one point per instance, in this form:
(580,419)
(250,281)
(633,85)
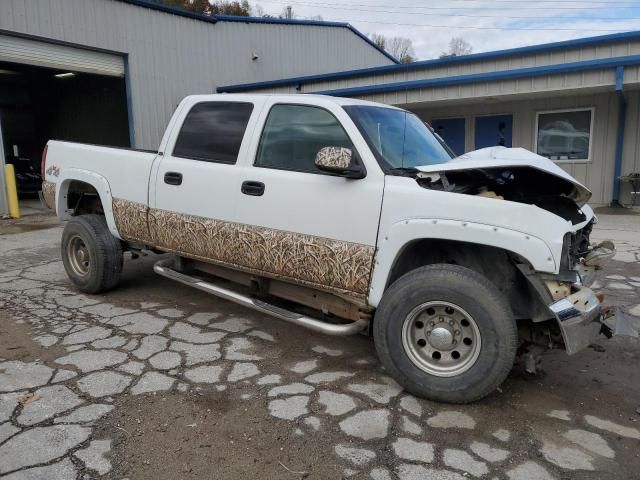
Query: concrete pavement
(71,361)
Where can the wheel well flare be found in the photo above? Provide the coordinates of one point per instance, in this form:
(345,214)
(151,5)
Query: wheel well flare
(497,264)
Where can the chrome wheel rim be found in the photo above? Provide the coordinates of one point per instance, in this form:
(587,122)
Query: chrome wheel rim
(78,255)
(441,339)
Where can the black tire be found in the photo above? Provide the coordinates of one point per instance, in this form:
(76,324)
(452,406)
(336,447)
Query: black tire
(480,299)
(104,253)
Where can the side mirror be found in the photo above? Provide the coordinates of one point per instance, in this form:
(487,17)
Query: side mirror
(339,161)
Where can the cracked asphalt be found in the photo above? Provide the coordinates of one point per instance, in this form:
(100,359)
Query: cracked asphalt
(158,381)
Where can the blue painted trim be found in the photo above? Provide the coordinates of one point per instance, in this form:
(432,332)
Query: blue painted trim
(166,9)
(622,120)
(370,42)
(619,78)
(127,86)
(263,20)
(533,49)
(486,77)
(281,21)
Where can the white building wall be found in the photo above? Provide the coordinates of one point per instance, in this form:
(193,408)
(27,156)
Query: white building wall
(631,150)
(567,55)
(596,174)
(171,56)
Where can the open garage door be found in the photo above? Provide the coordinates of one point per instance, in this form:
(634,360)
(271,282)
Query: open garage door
(39,103)
(52,55)
(50,90)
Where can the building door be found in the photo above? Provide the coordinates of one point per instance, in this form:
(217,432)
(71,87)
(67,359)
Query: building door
(452,131)
(53,91)
(494,130)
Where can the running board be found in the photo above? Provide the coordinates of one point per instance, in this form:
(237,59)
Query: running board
(164,268)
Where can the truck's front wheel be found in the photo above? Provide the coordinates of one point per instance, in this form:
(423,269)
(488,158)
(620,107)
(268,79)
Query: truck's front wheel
(91,256)
(446,333)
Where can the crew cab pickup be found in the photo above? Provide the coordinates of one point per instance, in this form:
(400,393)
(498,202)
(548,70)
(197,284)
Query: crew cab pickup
(345,217)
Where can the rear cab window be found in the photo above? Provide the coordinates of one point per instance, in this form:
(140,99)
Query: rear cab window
(213,132)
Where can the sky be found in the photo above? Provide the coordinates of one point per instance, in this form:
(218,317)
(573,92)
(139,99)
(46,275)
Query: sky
(486,24)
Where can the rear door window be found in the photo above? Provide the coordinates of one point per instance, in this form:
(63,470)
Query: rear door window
(213,131)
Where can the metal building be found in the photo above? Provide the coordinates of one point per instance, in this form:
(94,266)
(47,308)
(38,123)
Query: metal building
(576,102)
(112,71)
(164,54)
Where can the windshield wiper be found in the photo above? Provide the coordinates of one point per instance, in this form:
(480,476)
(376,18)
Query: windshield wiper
(404,171)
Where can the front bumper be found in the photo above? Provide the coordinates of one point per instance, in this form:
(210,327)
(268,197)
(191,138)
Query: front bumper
(579,317)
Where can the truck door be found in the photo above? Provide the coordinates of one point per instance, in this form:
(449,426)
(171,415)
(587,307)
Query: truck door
(308,226)
(196,182)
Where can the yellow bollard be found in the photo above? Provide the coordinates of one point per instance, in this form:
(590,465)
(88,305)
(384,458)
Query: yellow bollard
(12,191)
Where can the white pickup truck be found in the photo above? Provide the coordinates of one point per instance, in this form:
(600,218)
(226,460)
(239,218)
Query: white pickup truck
(345,216)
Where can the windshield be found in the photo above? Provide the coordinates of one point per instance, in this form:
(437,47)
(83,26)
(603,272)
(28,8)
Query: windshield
(398,138)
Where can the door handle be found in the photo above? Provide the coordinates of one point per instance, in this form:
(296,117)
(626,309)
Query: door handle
(173,178)
(253,188)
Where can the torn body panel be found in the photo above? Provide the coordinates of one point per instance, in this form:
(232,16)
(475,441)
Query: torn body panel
(579,317)
(542,175)
(515,175)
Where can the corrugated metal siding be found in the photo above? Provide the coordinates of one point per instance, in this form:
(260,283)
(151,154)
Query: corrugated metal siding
(171,56)
(599,80)
(631,149)
(568,55)
(596,174)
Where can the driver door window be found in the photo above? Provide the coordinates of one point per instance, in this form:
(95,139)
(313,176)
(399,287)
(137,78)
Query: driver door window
(293,135)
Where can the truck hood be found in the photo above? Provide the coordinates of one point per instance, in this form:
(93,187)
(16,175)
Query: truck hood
(495,158)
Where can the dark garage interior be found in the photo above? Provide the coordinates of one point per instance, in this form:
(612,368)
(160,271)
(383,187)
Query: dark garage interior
(39,104)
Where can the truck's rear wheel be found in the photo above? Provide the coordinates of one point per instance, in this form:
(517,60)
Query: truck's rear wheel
(446,333)
(91,256)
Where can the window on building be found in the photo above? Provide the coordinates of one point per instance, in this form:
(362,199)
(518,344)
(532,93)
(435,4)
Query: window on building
(293,135)
(565,135)
(213,131)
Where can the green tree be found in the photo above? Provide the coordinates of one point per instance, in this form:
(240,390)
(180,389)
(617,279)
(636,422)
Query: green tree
(240,9)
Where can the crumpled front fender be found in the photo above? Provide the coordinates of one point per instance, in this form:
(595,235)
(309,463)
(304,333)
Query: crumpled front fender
(392,243)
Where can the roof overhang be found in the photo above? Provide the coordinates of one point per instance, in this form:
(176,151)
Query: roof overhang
(514,74)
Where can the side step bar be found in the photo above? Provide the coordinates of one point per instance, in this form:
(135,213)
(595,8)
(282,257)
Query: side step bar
(164,268)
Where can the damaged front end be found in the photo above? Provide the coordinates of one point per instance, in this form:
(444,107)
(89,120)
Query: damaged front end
(578,309)
(580,318)
(568,313)
(577,312)
(512,174)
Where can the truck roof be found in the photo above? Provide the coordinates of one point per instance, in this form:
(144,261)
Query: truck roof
(293,98)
